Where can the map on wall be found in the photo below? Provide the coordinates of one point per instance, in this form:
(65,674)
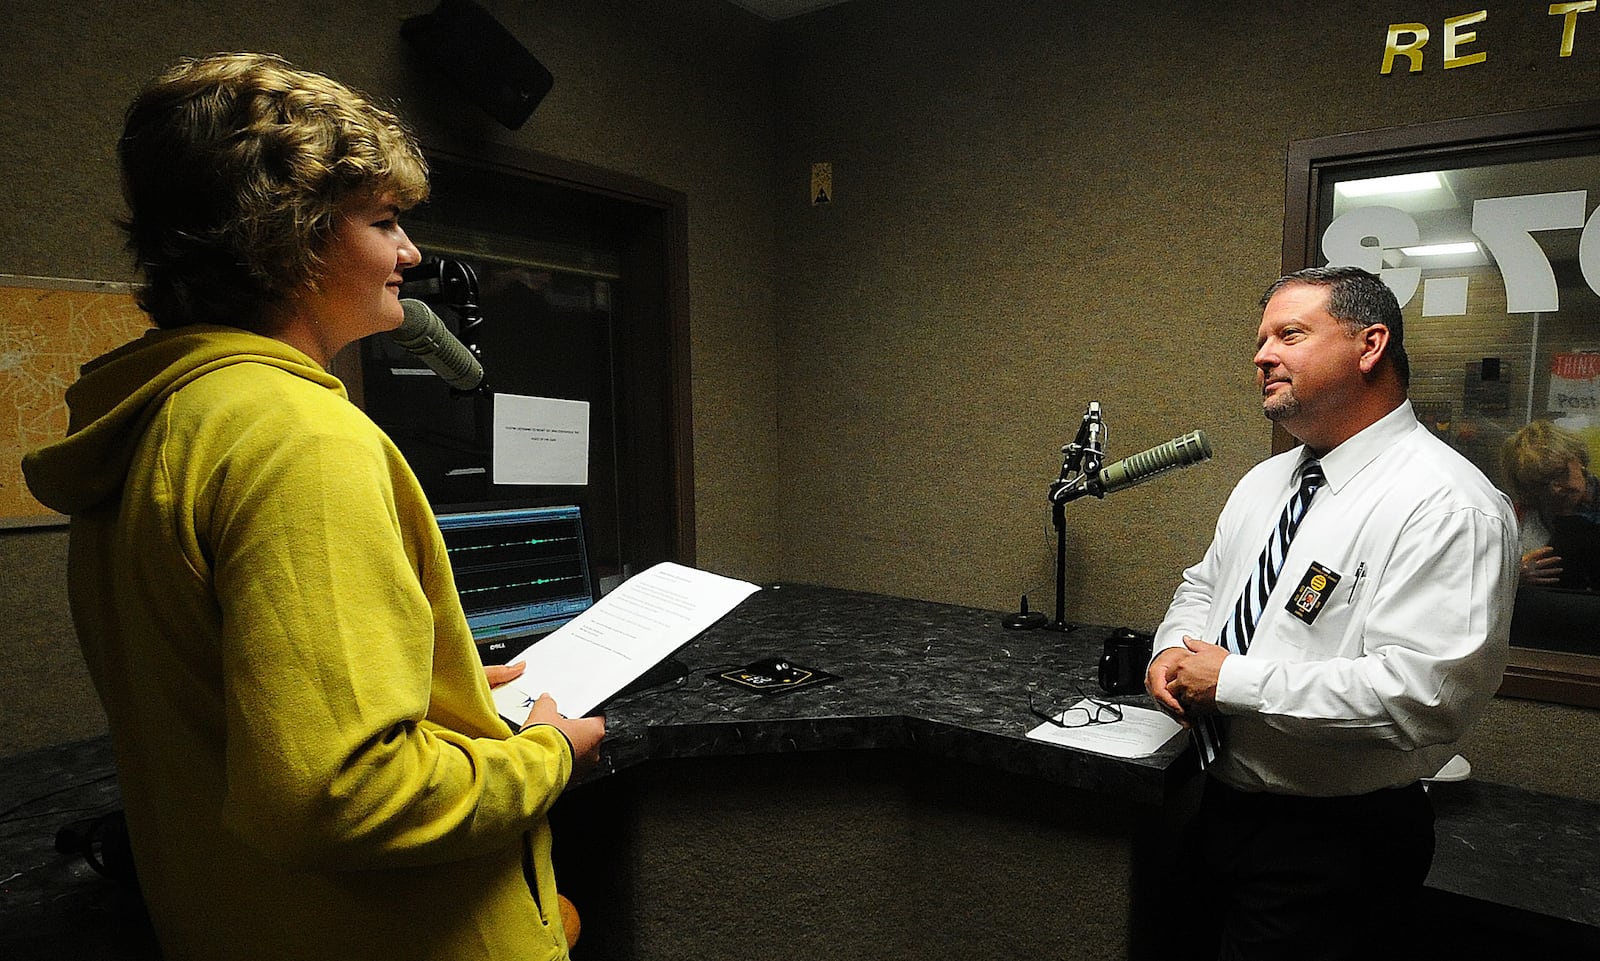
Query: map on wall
(48,329)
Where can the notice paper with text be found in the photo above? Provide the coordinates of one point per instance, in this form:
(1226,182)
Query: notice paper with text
(641,623)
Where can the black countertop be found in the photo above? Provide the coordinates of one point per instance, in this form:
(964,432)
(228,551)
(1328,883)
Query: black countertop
(944,681)
(917,676)
(1520,850)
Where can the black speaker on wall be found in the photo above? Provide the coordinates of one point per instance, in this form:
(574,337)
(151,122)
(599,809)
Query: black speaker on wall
(471,47)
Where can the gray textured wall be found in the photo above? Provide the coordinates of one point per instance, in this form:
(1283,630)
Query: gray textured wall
(1036,204)
(1041,203)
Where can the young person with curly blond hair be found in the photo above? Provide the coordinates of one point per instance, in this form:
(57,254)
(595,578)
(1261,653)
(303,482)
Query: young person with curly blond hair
(308,752)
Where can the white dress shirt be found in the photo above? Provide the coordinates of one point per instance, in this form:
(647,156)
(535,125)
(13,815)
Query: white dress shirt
(1407,636)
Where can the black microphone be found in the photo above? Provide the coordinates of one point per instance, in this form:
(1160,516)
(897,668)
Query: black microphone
(424,334)
(1191,448)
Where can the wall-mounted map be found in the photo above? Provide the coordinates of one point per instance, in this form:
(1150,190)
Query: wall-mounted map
(48,329)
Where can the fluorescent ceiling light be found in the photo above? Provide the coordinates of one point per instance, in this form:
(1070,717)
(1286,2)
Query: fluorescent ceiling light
(1440,250)
(1399,184)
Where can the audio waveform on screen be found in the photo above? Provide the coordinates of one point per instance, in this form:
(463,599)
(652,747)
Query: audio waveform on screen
(530,542)
(509,585)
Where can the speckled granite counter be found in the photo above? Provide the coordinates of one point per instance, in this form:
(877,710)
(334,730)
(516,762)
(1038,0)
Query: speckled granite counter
(916,676)
(1516,851)
(916,679)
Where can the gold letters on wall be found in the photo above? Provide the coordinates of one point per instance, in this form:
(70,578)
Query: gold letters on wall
(1461,47)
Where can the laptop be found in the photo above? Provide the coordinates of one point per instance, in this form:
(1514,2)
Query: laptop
(521,572)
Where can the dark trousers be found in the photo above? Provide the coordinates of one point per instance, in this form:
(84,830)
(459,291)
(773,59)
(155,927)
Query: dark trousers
(1309,879)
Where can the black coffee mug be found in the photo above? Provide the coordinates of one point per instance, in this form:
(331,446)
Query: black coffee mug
(1122,666)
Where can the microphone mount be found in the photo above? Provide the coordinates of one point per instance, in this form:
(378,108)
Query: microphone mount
(1082,459)
(450,288)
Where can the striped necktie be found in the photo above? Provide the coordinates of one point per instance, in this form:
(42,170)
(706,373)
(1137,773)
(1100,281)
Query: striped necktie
(1236,633)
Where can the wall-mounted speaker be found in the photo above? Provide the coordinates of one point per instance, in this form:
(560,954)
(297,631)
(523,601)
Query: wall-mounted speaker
(491,66)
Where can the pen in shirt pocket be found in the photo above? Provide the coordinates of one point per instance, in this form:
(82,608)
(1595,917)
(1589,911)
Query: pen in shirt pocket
(1355,580)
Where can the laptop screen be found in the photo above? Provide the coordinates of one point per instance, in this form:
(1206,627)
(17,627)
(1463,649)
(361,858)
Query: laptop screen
(521,572)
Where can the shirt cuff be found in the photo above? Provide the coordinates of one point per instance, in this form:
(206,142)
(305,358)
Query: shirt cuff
(1239,684)
(1170,637)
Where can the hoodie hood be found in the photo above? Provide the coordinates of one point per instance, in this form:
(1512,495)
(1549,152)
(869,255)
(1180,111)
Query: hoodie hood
(118,394)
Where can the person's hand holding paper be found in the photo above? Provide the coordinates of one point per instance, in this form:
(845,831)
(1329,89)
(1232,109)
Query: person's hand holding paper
(633,628)
(583,733)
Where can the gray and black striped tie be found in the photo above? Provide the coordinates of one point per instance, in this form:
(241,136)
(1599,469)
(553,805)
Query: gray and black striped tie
(1237,631)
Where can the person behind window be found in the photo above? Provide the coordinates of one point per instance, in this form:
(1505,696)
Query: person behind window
(308,752)
(1546,472)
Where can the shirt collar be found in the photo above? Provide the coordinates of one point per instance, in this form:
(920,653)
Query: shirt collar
(1344,462)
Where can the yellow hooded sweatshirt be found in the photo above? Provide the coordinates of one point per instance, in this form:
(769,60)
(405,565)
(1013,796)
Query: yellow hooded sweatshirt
(311,762)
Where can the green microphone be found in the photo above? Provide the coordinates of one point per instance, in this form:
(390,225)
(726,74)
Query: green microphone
(1191,448)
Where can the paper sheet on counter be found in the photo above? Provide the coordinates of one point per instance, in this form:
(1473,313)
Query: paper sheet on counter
(1140,733)
(630,630)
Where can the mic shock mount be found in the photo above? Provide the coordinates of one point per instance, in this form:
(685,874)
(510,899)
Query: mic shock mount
(1082,459)
(450,288)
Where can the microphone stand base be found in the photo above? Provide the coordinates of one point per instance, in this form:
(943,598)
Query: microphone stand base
(1024,619)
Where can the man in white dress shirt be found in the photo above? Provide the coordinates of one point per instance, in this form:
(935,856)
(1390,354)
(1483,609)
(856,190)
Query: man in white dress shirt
(1379,643)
